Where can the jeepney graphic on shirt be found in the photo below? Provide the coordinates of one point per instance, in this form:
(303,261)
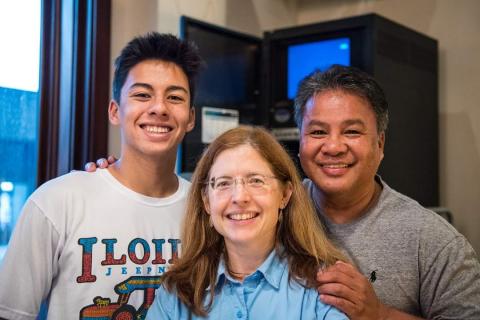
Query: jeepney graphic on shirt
(137,279)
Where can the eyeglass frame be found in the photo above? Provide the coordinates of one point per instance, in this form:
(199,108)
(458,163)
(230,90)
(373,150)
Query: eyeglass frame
(243,179)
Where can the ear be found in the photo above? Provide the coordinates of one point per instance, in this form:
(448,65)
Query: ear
(113,112)
(381,143)
(191,121)
(287,193)
(206,204)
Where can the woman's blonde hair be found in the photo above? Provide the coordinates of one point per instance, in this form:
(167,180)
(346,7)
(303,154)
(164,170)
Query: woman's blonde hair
(299,231)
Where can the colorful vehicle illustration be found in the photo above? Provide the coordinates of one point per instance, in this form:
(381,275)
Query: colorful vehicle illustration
(104,309)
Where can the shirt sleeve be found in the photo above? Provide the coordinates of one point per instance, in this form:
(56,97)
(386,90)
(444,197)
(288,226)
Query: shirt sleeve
(326,312)
(331,313)
(29,265)
(450,285)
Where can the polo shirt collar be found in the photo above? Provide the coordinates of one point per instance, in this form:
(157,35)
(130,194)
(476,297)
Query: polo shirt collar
(271,269)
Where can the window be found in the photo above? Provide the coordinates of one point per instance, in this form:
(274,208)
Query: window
(53,95)
(19,108)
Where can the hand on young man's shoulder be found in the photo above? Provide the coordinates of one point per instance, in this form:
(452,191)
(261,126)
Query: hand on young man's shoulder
(101,163)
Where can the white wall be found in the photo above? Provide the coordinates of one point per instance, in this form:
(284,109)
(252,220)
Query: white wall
(455,24)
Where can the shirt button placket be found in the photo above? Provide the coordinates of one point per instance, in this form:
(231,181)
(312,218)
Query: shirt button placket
(239,314)
(241,307)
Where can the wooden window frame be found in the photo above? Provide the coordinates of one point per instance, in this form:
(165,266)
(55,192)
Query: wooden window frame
(74,85)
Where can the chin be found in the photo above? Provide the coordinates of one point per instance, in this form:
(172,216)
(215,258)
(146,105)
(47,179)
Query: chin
(159,150)
(240,240)
(334,188)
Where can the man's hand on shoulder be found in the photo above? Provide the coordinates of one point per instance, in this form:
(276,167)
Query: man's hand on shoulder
(101,163)
(345,288)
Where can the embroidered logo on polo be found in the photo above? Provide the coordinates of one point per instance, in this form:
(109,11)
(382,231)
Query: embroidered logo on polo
(373,276)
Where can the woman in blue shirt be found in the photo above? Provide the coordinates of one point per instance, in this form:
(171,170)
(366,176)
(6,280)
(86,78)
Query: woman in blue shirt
(252,242)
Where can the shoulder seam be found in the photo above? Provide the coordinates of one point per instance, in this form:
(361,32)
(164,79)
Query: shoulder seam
(44,215)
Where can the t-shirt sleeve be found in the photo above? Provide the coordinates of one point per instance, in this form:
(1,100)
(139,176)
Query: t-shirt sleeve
(29,265)
(450,283)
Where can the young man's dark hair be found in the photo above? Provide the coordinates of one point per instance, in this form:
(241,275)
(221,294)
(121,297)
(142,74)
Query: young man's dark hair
(157,46)
(348,79)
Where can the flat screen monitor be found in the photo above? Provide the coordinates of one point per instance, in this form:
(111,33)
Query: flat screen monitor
(304,58)
(231,63)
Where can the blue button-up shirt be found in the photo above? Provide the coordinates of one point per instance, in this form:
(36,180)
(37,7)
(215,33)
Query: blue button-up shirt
(265,294)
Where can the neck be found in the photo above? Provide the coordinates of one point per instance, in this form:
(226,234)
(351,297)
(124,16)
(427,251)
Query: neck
(153,177)
(345,208)
(245,259)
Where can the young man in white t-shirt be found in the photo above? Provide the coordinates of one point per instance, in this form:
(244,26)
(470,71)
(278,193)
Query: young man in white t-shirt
(92,245)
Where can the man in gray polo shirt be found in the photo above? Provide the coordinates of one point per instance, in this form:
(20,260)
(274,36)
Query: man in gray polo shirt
(407,261)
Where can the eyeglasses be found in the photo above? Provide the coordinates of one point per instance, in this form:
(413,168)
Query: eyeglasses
(255,184)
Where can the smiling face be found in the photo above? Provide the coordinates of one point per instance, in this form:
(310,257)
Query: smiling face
(154,111)
(340,148)
(243,217)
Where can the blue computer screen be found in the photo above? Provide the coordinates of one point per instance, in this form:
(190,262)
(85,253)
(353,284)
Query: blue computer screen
(306,57)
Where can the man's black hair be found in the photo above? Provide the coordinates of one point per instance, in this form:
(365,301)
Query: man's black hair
(348,79)
(157,46)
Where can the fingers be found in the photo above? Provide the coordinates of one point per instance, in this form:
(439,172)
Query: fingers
(346,268)
(111,159)
(344,287)
(341,304)
(355,304)
(102,163)
(339,269)
(335,289)
(338,290)
(90,167)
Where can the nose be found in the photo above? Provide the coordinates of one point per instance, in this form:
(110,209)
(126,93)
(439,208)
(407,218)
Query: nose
(240,193)
(334,145)
(158,107)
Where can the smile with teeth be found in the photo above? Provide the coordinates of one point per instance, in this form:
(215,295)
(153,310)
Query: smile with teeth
(156,129)
(242,216)
(335,165)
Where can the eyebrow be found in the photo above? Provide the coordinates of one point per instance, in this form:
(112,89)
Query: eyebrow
(141,85)
(316,123)
(150,87)
(248,174)
(351,122)
(348,122)
(174,88)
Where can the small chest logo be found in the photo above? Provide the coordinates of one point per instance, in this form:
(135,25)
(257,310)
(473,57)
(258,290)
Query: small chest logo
(373,276)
